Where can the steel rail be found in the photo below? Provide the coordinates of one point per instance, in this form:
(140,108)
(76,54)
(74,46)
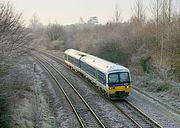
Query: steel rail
(60,86)
(131,119)
(145,115)
(138,124)
(87,105)
(128,116)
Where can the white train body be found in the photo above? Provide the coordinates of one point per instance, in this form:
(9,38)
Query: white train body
(113,79)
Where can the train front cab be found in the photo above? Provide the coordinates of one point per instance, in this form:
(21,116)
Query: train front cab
(118,85)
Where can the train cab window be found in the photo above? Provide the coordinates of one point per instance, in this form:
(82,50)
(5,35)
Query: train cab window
(124,77)
(113,78)
(120,77)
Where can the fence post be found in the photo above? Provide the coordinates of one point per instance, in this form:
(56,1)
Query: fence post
(34,66)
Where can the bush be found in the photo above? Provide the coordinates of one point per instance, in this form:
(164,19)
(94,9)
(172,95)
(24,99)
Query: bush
(145,63)
(55,45)
(112,50)
(177,65)
(162,87)
(4,118)
(3,69)
(152,83)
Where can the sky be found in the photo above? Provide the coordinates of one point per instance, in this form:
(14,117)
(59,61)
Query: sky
(69,11)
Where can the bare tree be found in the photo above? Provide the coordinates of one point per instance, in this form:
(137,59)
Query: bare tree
(56,37)
(165,30)
(117,16)
(55,32)
(161,9)
(35,23)
(13,36)
(139,12)
(81,21)
(138,20)
(155,9)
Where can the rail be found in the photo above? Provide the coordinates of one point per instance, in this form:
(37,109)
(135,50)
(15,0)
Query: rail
(60,86)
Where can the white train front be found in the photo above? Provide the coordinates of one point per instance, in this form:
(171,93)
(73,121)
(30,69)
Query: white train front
(113,79)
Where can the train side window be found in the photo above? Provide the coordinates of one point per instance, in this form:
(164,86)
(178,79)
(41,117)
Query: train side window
(83,66)
(76,61)
(91,71)
(101,77)
(65,56)
(70,59)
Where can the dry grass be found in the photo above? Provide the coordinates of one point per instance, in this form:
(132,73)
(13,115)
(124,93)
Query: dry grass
(15,84)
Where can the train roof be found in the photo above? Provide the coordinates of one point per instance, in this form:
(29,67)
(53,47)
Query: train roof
(103,65)
(96,62)
(75,53)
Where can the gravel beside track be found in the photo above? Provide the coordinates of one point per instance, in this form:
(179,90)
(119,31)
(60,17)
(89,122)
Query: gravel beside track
(83,111)
(109,114)
(65,116)
(137,115)
(159,113)
(162,115)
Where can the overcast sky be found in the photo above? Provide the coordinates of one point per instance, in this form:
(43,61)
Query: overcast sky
(69,11)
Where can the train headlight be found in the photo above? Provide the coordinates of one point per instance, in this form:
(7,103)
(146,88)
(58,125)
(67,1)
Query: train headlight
(127,86)
(110,88)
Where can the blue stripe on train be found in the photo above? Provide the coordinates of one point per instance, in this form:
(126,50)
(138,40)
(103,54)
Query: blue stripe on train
(122,84)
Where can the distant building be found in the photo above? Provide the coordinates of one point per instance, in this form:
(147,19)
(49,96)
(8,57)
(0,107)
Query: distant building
(93,20)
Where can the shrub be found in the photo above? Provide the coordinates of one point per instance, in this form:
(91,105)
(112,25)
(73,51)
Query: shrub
(177,67)
(112,50)
(145,63)
(3,69)
(164,86)
(4,118)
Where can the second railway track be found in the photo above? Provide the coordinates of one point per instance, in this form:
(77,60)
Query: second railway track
(139,118)
(85,114)
(136,116)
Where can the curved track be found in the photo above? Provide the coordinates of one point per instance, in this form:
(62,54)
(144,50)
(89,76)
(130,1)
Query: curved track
(136,116)
(139,118)
(84,113)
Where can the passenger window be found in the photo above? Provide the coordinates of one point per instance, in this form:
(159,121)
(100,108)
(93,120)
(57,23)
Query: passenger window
(65,56)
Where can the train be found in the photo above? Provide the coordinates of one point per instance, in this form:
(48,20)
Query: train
(112,79)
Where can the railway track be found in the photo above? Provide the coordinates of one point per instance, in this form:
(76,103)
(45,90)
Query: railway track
(136,116)
(139,118)
(84,113)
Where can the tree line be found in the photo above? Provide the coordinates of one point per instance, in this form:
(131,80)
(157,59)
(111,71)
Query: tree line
(143,44)
(14,36)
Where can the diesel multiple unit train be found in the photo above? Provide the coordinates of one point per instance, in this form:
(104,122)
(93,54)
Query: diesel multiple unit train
(113,79)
